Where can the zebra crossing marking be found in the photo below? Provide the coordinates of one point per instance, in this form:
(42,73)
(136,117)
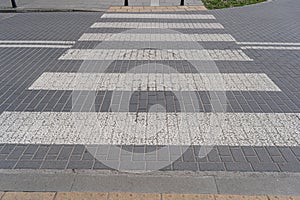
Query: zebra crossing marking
(155,37)
(157,25)
(35,46)
(271,47)
(125,128)
(158,16)
(154,54)
(154,82)
(270,43)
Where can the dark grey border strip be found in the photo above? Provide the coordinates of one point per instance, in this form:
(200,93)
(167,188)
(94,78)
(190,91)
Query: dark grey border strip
(96,157)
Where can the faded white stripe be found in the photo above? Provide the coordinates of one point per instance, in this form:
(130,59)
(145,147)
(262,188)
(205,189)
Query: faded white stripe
(154,82)
(156,25)
(158,16)
(155,37)
(270,47)
(154,3)
(35,42)
(34,46)
(247,129)
(164,54)
(270,43)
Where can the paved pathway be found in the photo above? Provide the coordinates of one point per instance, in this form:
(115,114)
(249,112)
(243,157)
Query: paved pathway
(92,4)
(198,91)
(129,196)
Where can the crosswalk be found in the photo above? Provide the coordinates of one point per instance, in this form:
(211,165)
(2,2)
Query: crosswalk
(153,54)
(154,82)
(152,128)
(158,16)
(157,25)
(155,37)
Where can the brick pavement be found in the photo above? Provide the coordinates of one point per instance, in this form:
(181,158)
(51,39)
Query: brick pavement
(269,143)
(94,5)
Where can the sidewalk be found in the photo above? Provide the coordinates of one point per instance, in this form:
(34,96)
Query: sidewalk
(132,196)
(90,5)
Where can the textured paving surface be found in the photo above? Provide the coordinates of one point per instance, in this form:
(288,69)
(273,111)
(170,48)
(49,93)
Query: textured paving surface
(141,196)
(92,4)
(212,92)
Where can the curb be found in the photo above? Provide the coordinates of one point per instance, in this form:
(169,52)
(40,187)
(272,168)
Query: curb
(286,184)
(134,196)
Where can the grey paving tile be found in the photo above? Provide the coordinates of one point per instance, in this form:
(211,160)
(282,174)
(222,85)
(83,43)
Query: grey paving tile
(213,156)
(87,156)
(289,167)
(31,149)
(296,150)
(283,72)
(188,156)
(224,150)
(252,159)
(248,151)
(106,165)
(54,164)
(65,153)
(54,149)
(238,166)
(278,159)
(7,164)
(80,164)
(7,148)
(41,153)
(237,154)
(273,151)
(185,166)
(218,166)
(28,164)
(265,167)
(132,165)
(288,155)
(226,159)
(16,153)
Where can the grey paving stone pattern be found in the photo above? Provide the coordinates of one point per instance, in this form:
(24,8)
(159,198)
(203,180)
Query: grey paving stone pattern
(23,65)
(91,4)
(145,158)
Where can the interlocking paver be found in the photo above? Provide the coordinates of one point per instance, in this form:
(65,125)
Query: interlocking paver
(252,133)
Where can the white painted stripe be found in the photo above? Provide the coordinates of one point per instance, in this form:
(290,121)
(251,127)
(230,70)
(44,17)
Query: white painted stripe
(154,82)
(270,43)
(34,46)
(247,129)
(146,54)
(270,47)
(35,42)
(155,37)
(156,25)
(158,16)
(154,3)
